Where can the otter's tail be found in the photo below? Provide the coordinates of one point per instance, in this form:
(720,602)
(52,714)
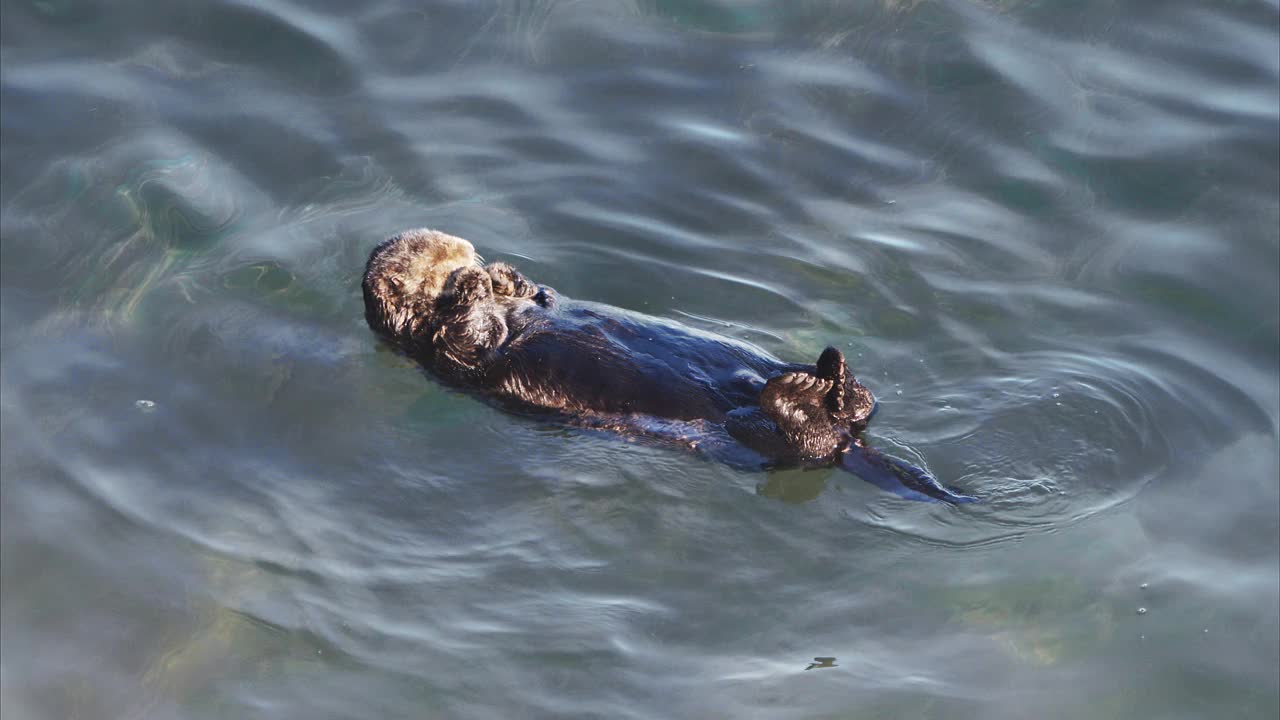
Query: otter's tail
(897,476)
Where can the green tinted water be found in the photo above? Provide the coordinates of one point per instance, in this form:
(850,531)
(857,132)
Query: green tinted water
(1045,235)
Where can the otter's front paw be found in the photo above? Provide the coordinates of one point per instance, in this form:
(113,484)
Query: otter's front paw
(796,402)
(849,401)
(508,282)
(467,286)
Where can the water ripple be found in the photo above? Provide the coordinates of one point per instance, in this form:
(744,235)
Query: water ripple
(1044,238)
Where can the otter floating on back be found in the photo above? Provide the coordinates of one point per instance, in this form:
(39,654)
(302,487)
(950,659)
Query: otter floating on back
(489,330)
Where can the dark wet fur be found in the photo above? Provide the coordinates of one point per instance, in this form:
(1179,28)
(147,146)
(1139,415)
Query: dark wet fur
(491,331)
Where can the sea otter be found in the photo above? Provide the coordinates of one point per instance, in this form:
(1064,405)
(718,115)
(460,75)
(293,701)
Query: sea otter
(489,330)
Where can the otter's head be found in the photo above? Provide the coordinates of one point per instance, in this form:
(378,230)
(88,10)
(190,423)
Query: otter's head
(406,274)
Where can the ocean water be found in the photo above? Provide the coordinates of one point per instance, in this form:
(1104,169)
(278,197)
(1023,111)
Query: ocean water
(1046,234)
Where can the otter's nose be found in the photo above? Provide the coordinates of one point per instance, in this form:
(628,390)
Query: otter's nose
(546,297)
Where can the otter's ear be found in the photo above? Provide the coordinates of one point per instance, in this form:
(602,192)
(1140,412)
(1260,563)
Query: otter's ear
(392,287)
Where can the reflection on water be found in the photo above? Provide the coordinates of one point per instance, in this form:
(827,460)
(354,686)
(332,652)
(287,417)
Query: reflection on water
(1044,236)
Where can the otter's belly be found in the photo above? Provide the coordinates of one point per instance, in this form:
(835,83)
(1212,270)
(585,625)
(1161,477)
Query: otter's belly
(583,357)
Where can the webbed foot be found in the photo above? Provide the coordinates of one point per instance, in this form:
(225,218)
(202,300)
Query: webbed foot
(848,400)
(896,475)
(797,404)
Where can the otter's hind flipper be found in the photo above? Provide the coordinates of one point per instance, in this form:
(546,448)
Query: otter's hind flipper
(831,366)
(848,400)
(896,475)
(797,403)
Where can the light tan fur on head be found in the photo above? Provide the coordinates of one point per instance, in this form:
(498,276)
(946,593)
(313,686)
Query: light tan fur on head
(406,274)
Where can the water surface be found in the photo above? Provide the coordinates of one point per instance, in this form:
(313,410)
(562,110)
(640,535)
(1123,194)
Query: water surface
(1045,234)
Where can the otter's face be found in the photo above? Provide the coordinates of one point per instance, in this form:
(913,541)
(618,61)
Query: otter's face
(406,274)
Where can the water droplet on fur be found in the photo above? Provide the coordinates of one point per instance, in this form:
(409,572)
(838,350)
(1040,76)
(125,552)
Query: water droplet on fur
(145,405)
